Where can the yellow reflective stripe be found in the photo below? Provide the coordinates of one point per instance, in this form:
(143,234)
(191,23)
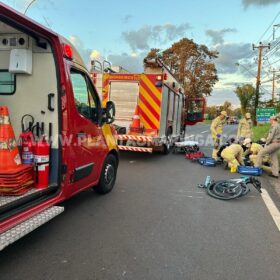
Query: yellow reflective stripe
(152,87)
(151,117)
(143,121)
(150,100)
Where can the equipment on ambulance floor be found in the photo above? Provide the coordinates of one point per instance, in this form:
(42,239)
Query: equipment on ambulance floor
(186,147)
(230,189)
(15,178)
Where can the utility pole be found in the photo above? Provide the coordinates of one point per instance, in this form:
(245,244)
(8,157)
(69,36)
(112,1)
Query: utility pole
(273,83)
(275,26)
(260,47)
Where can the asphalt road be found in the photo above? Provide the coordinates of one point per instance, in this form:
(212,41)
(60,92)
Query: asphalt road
(156,224)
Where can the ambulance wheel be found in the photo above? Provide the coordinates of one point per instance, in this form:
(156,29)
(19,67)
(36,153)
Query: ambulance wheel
(108,176)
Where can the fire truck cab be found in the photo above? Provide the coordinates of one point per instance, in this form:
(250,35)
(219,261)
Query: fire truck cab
(47,90)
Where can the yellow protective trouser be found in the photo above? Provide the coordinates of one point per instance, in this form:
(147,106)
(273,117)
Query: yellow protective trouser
(230,159)
(216,147)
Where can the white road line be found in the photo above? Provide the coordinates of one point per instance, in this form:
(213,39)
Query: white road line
(273,210)
(204,131)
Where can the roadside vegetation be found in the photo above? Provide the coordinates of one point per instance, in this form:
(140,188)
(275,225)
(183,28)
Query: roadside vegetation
(260,131)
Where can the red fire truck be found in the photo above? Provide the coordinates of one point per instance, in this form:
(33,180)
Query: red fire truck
(151,108)
(47,92)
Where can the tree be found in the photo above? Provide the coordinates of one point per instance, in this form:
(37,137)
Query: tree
(211,112)
(246,94)
(192,65)
(227,107)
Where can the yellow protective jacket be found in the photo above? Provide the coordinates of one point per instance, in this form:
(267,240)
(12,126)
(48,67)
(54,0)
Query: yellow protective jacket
(255,148)
(217,127)
(233,151)
(245,128)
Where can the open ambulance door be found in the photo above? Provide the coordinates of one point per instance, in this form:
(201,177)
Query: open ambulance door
(194,110)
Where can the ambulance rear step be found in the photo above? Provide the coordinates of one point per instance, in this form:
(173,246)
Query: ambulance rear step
(17,232)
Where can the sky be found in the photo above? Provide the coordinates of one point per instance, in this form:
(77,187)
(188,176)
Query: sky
(123,32)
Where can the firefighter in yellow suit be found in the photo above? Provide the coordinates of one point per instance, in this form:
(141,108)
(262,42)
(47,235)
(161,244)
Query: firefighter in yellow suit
(233,155)
(252,150)
(217,131)
(245,127)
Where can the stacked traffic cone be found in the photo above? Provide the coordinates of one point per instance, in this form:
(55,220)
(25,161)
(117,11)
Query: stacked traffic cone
(15,177)
(135,127)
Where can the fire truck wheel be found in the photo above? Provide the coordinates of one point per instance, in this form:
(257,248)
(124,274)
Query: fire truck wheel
(108,176)
(168,146)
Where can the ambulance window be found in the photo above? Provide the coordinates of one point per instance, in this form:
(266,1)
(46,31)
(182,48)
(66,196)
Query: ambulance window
(83,98)
(7,82)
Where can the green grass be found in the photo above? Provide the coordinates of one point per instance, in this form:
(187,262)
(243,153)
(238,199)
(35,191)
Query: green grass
(206,122)
(260,131)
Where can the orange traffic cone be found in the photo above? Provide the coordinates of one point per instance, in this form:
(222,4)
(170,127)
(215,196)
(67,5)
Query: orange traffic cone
(15,177)
(9,154)
(135,126)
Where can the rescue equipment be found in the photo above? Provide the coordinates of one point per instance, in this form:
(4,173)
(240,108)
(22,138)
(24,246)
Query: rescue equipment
(207,161)
(41,163)
(186,147)
(27,147)
(250,170)
(194,155)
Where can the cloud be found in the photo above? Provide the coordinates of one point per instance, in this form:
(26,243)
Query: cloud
(131,62)
(247,3)
(218,97)
(230,54)
(217,36)
(83,51)
(142,38)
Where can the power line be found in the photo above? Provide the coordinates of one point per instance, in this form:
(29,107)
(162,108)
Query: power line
(275,61)
(269,26)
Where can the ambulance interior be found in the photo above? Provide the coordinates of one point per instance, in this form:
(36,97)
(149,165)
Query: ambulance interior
(28,85)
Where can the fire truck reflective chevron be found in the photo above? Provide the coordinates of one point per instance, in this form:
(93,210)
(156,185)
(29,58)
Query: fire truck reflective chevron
(149,103)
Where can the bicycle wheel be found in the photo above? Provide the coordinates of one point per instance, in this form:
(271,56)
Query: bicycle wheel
(225,190)
(245,189)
